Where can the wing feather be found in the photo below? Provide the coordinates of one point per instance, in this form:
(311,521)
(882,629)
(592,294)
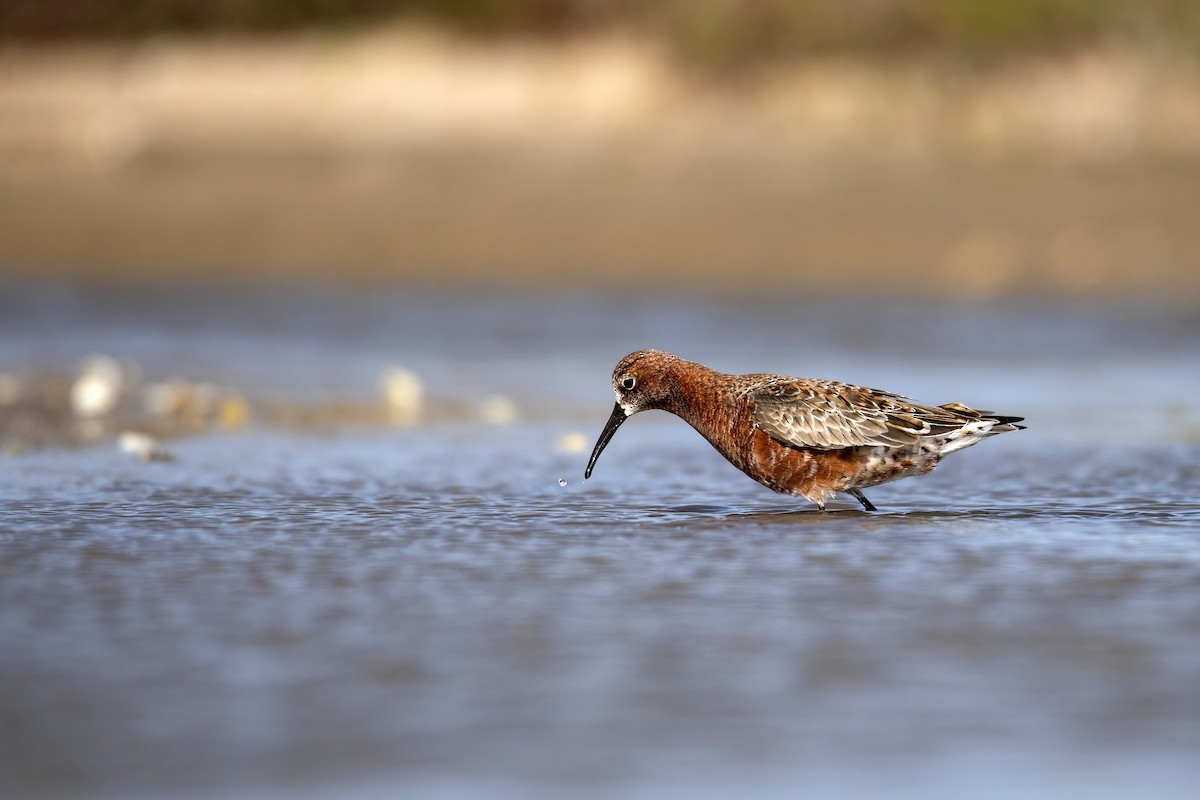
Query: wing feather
(827,415)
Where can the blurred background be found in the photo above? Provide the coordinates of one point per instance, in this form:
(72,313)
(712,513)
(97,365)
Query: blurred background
(913,147)
(308,310)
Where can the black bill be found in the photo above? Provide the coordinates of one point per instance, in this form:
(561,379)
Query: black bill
(610,427)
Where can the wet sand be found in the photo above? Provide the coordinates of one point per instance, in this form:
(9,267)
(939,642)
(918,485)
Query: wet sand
(499,219)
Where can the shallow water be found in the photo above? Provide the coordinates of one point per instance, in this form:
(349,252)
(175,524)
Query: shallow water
(424,611)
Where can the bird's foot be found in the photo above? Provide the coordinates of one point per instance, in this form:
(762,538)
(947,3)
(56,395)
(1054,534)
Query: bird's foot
(862,498)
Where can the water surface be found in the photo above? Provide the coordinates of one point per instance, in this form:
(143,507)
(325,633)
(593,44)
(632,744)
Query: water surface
(423,611)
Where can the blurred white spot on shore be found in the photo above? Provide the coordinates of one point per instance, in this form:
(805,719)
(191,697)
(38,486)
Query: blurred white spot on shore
(571,443)
(233,412)
(562,481)
(97,390)
(144,446)
(402,393)
(165,399)
(497,409)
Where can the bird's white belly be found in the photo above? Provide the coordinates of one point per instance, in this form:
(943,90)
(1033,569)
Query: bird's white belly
(885,464)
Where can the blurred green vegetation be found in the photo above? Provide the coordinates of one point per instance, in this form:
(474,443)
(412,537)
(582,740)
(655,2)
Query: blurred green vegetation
(723,33)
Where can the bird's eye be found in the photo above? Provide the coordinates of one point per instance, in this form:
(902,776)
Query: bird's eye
(628,382)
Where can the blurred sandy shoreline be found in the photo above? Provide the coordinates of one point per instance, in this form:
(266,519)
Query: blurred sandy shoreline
(402,158)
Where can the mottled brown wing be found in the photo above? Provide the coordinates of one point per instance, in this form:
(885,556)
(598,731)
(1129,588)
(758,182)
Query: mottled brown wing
(828,415)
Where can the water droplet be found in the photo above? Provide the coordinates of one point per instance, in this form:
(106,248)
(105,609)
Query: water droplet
(562,481)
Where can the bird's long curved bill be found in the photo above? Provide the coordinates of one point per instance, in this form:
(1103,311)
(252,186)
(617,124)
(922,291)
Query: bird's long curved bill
(610,427)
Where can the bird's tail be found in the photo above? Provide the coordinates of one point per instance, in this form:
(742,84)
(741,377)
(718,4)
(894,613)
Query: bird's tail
(986,423)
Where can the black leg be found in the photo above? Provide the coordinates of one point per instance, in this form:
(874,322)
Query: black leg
(862,498)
